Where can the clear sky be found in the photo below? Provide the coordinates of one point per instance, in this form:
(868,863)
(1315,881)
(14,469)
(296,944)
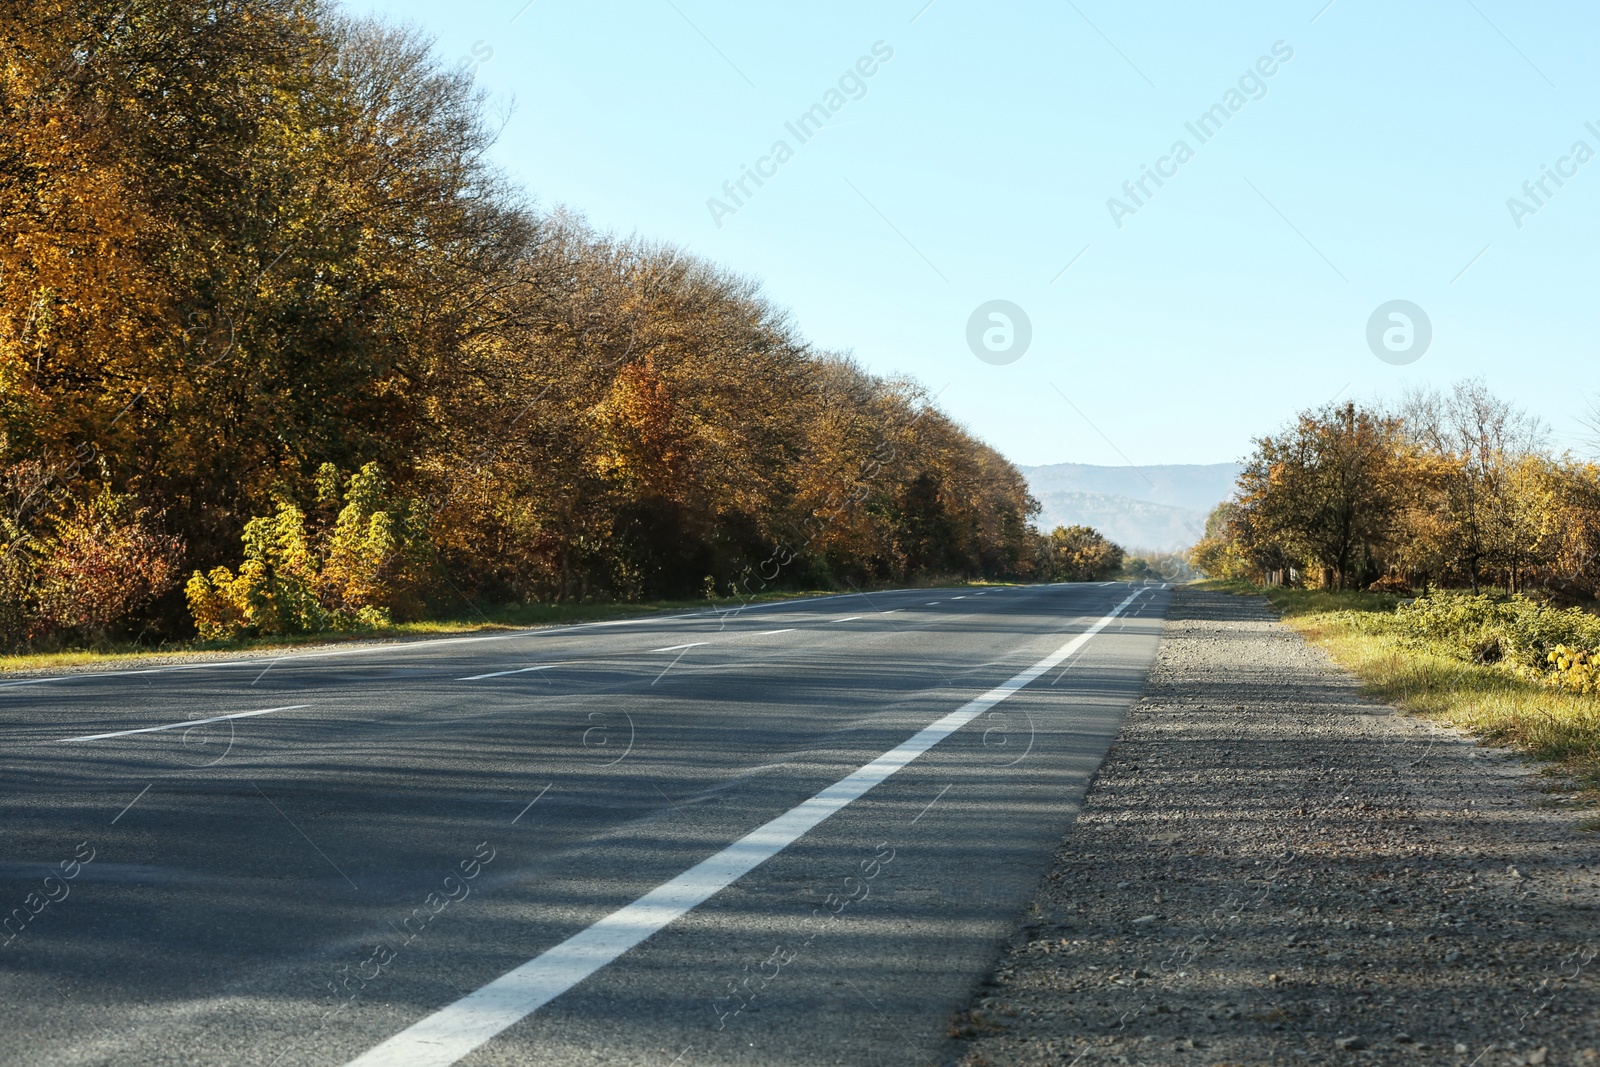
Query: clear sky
(1375,163)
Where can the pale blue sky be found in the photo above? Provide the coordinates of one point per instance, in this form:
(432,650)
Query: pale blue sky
(1376,165)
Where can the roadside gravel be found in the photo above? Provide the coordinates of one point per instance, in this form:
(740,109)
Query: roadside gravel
(1272,869)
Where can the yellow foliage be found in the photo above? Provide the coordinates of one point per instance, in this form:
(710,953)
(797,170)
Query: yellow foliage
(1575,669)
(353,581)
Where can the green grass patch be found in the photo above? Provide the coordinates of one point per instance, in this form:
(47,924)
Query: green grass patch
(1491,701)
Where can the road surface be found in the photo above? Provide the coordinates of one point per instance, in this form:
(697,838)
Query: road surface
(795,834)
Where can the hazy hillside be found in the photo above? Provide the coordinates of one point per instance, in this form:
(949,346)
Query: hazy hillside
(1158,507)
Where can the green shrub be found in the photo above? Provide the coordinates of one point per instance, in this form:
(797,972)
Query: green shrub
(1576,669)
(1512,631)
(360,574)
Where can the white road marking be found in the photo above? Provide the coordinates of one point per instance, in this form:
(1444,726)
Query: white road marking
(931,603)
(852,618)
(456,1029)
(554,629)
(674,648)
(502,674)
(180,725)
(765,633)
(958,598)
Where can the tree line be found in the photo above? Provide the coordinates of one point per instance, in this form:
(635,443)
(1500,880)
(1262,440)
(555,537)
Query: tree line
(1452,489)
(280,349)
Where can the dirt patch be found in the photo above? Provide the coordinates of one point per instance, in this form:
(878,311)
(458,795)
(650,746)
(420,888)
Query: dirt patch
(1272,869)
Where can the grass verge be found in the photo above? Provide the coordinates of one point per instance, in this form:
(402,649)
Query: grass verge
(1492,704)
(504,617)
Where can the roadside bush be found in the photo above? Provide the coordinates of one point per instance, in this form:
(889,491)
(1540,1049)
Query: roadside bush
(16,585)
(275,589)
(361,573)
(377,554)
(19,551)
(87,570)
(1575,669)
(104,562)
(1077,554)
(1514,631)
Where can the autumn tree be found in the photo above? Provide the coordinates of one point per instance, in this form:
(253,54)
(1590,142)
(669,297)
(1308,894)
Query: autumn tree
(1079,554)
(1328,490)
(1450,489)
(1481,447)
(243,242)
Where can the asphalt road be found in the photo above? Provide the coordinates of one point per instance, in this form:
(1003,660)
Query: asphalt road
(792,835)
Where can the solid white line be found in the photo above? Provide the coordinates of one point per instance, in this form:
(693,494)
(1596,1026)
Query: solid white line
(455,1030)
(502,674)
(765,633)
(181,725)
(674,648)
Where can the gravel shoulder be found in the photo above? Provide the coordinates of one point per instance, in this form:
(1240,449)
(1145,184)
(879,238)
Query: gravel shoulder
(1272,869)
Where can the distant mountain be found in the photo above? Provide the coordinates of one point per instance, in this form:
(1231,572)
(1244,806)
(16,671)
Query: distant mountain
(1162,508)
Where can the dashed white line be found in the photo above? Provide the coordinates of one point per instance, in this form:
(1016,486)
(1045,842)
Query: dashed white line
(789,630)
(410,646)
(852,618)
(455,1030)
(180,725)
(674,648)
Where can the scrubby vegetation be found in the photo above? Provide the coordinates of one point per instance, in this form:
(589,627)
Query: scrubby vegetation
(1077,554)
(1514,632)
(1348,512)
(1500,666)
